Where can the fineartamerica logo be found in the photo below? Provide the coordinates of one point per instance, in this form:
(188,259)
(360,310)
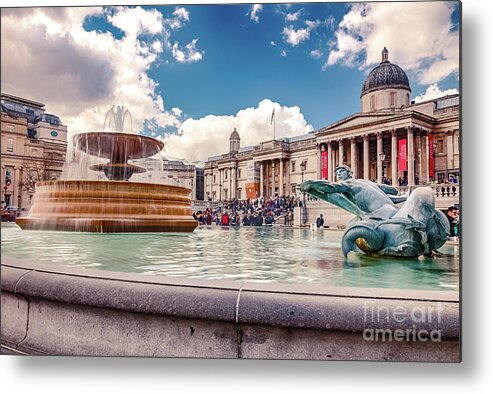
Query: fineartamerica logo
(411,320)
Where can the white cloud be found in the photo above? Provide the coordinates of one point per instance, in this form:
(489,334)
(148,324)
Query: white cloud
(188,55)
(316,54)
(136,21)
(256,9)
(79,74)
(273,43)
(199,139)
(294,37)
(293,16)
(182,14)
(284,53)
(418,35)
(433,92)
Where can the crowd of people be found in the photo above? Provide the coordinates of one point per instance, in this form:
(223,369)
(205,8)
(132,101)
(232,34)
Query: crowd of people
(256,212)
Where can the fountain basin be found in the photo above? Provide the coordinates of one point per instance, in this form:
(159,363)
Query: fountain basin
(52,310)
(109,207)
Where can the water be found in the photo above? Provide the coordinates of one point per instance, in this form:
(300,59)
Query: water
(255,254)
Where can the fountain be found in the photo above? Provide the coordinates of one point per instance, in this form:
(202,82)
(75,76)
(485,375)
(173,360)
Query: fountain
(114,205)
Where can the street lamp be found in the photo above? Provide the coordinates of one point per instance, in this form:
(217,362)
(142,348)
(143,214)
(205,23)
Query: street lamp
(435,145)
(303,211)
(382,158)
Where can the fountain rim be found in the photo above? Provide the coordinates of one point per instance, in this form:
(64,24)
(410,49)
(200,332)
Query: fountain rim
(114,135)
(261,306)
(103,181)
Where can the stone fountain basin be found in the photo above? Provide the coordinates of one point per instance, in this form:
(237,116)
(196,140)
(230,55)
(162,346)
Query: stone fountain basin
(109,206)
(117,146)
(54,310)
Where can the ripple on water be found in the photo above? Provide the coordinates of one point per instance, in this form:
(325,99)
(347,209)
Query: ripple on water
(263,255)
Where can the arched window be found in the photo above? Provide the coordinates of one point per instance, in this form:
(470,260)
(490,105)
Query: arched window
(393,102)
(372,103)
(407,98)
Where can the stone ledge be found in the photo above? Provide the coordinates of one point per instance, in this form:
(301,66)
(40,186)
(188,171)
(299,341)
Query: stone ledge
(123,303)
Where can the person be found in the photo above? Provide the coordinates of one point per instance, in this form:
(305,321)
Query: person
(320,221)
(453,219)
(225,219)
(290,217)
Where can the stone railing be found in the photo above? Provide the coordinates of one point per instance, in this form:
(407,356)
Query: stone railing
(201,205)
(440,190)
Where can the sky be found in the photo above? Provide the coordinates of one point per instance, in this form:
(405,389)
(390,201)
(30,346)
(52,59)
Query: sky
(190,74)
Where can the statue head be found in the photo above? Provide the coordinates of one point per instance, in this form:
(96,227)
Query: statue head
(343,172)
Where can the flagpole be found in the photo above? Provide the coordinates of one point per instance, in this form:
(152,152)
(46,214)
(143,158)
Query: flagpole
(273,119)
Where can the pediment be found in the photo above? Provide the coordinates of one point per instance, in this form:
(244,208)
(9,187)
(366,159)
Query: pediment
(360,119)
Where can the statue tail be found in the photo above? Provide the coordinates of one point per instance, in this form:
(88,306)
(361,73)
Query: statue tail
(364,236)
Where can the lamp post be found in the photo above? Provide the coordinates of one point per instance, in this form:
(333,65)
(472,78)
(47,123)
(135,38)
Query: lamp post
(435,145)
(303,211)
(382,158)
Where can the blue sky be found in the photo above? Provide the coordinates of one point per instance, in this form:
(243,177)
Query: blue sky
(190,74)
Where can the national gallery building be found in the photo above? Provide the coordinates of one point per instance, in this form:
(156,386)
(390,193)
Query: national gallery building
(391,140)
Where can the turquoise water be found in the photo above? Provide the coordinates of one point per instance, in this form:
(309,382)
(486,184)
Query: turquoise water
(256,254)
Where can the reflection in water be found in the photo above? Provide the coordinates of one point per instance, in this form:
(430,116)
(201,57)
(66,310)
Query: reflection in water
(264,254)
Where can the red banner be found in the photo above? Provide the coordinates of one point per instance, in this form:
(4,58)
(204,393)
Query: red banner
(403,155)
(325,165)
(431,155)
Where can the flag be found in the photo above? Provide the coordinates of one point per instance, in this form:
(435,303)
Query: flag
(272,116)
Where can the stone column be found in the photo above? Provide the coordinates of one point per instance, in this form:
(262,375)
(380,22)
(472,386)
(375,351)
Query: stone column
(281,177)
(379,161)
(393,157)
(261,179)
(420,157)
(427,157)
(17,187)
(220,184)
(341,152)
(450,149)
(366,157)
(410,155)
(234,175)
(288,178)
(273,186)
(330,162)
(353,156)
(319,161)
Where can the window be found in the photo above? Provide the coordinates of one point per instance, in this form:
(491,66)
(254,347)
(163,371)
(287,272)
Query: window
(214,179)
(407,98)
(392,99)
(372,103)
(439,146)
(239,174)
(225,175)
(11,128)
(10,145)
(293,166)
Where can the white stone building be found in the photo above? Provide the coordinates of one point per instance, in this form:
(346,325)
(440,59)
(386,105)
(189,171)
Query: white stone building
(391,139)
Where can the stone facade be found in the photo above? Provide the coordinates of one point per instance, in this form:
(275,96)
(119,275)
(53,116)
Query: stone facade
(426,135)
(34,144)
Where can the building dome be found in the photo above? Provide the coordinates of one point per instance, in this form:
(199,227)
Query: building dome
(234,135)
(385,76)
(234,142)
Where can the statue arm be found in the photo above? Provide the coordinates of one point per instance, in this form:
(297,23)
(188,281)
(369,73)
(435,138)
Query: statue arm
(398,199)
(388,189)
